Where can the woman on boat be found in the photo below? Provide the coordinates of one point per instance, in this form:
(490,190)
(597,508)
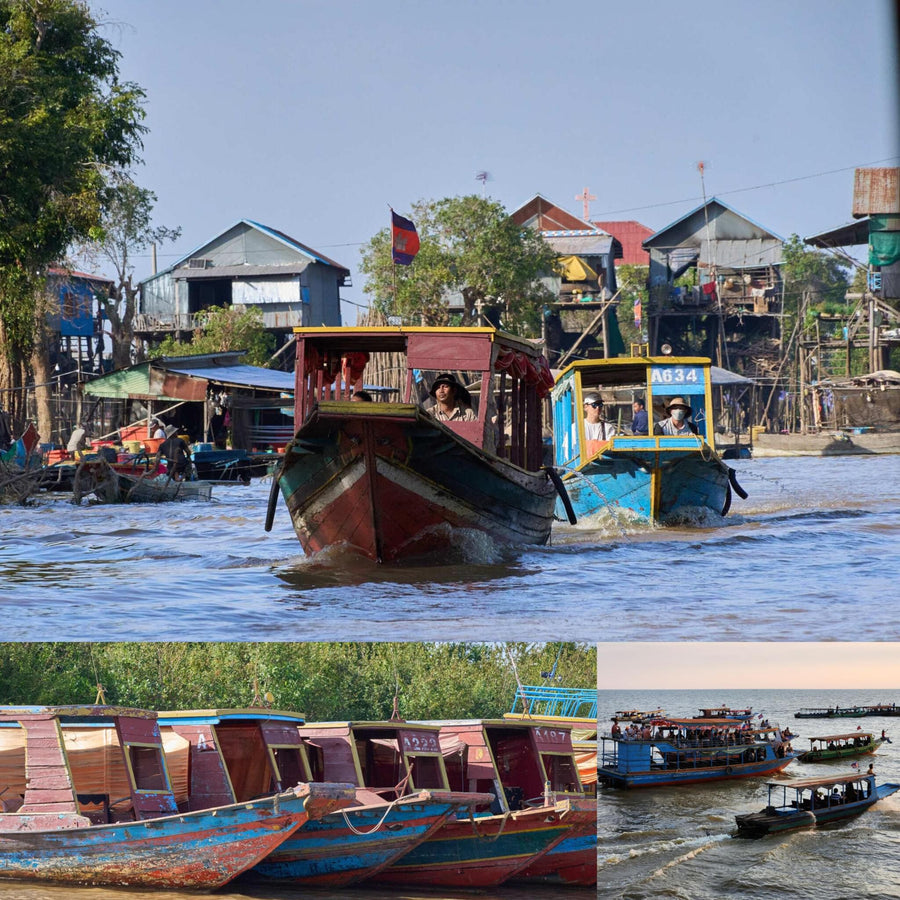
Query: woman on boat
(453,403)
(679,422)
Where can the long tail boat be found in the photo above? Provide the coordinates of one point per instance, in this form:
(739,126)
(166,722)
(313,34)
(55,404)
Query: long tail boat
(540,827)
(251,752)
(832,712)
(840,746)
(674,751)
(110,818)
(388,479)
(654,476)
(812,802)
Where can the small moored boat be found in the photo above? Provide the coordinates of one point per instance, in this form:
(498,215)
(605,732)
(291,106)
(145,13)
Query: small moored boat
(812,802)
(87,799)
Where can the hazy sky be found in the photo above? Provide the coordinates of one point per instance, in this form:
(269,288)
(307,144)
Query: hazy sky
(312,117)
(677,666)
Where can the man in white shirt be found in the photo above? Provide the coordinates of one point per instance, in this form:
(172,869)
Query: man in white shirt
(596,428)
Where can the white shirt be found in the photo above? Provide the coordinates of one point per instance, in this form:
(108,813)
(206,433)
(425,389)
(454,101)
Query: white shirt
(598,431)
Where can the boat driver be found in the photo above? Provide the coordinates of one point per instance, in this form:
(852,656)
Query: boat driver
(452,402)
(679,420)
(596,428)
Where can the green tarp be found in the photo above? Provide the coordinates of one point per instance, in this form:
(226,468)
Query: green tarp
(884,240)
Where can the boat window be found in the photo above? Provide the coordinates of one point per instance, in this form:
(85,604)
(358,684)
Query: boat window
(289,766)
(427,773)
(468,381)
(316,758)
(147,767)
(561,772)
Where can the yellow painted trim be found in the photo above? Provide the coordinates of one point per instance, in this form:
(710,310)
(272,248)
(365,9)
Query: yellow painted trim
(162,759)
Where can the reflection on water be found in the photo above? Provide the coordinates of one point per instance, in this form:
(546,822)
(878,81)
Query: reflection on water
(678,842)
(805,554)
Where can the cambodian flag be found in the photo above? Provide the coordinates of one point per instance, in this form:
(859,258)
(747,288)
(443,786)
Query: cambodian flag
(404,240)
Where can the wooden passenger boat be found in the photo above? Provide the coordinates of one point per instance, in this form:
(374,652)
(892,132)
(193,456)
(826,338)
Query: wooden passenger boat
(540,827)
(831,712)
(726,712)
(840,746)
(130,482)
(812,802)
(653,476)
(245,753)
(390,481)
(674,751)
(110,818)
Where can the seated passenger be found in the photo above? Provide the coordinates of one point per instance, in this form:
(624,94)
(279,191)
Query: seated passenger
(361,397)
(596,428)
(453,403)
(678,423)
(639,422)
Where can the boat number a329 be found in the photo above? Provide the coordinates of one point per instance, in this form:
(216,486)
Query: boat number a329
(676,375)
(421,741)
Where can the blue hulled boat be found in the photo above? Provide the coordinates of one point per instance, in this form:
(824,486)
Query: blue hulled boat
(687,751)
(623,464)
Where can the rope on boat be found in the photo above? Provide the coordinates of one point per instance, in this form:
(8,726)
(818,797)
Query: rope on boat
(563,494)
(484,837)
(375,827)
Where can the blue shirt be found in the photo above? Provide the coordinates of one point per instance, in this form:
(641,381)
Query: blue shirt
(639,424)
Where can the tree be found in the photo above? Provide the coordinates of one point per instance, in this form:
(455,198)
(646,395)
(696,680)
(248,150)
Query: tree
(226,328)
(125,229)
(820,278)
(65,120)
(470,245)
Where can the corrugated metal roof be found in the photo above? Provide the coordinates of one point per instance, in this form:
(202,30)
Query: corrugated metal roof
(749,254)
(630,234)
(188,274)
(572,244)
(121,383)
(842,236)
(240,376)
(711,202)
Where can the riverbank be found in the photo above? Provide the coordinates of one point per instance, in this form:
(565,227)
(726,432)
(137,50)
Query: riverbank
(837,443)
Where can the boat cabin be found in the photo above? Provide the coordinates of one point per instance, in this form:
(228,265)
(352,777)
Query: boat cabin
(504,379)
(390,759)
(82,765)
(725,712)
(656,381)
(855,740)
(523,763)
(819,793)
(235,755)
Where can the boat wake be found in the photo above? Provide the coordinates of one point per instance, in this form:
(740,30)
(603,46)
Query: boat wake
(693,847)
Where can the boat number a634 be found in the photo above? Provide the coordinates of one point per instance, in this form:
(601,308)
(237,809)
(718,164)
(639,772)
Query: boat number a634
(676,375)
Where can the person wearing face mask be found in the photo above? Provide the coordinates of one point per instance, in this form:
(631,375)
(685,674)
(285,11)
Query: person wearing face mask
(678,423)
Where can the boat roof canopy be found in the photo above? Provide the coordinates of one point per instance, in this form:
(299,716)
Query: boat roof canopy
(213,716)
(843,737)
(802,784)
(389,339)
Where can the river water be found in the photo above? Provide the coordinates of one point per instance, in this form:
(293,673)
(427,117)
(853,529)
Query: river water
(810,555)
(677,842)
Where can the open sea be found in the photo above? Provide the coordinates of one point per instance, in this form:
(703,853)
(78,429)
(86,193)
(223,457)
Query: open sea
(810,555)
(677,842)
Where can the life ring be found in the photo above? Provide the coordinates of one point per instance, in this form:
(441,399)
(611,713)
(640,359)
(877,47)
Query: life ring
(728,770)
(563,494)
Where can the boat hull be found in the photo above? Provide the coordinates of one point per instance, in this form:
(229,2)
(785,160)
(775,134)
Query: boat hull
(650,485)
(189,851)
(482,851)
(389,486)
(572,861)
(777,821)
(347,847)
(695,775)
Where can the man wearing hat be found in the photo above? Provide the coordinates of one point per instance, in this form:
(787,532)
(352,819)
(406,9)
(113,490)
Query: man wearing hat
(453,403)
(678,423)
(596,428)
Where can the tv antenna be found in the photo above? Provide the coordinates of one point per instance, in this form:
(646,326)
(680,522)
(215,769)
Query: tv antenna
(483,177)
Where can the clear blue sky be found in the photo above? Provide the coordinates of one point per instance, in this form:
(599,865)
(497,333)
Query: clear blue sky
(312,117)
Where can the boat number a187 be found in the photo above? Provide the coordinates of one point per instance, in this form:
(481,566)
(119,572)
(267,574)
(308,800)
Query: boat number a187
(676,375)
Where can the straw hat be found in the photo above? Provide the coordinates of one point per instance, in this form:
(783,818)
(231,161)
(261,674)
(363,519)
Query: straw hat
(678,403)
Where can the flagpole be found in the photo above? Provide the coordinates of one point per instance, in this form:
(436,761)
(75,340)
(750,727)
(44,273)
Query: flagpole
(393,262)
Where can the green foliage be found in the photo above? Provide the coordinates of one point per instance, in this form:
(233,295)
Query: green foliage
(226,328)
(818,275)
(469,245)
(323,681)
(632,285)
(64,119)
